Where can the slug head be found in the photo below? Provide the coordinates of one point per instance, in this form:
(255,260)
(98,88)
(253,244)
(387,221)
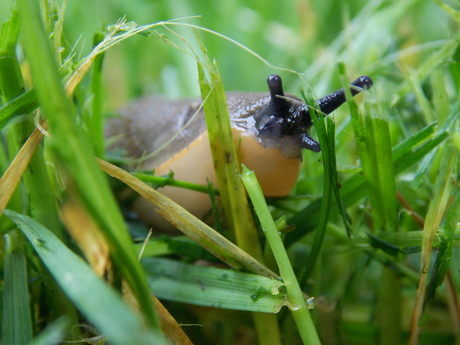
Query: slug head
(284,121)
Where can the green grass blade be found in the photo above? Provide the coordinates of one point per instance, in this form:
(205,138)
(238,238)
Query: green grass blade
(180,245)
(326,139)
(335,182)
(374,146)
(213,287)
(452,216)
(16,316)
(354,188)
(416,70)
(438,205)
(231,188)
(416,87)
(441,103)
(404,149)
(11,85)
(226,163)
(94,120)
(100,304)
(455,268)
(11,82)
(445,253)
(389,319)
(454,115)
(191,226)
(440,268)
(37,182)
(412,238)
(300,313)
(5,223)
(23,104)
(53,334)
(160,181)
(41,198)
(73,149)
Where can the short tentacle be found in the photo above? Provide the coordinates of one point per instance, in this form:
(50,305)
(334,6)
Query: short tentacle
(309,143)
(278,105)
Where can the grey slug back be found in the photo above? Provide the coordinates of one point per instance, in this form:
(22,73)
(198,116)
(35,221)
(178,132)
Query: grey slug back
(156,124)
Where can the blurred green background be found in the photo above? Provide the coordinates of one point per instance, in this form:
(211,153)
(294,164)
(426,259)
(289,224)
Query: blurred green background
(307,36)
(398,43)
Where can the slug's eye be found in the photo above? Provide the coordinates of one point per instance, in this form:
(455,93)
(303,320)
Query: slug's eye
(363,82)
(275,84)
(331,102)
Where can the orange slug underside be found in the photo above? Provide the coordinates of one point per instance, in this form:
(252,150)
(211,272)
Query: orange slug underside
(277,174)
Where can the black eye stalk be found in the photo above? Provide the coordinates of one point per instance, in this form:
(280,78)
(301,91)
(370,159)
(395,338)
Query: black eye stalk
(287,116)
(331,102)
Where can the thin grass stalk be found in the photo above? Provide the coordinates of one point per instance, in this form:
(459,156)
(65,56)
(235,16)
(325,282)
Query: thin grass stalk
(12,175)
(17,318)
(23,104)
(226,163)
(230,186)
(411,238)
(389,308)
(53,333)
(440,96)
(72,147)
(11,81)
(299,308)
(174,333)
(191,226)
(41,199)
(336,184)
(94,121)
(440,274)
(170,181)
(425,105)
(170,326)
(11,85)
(326,138)
(436,209)
(374,146)
(5,223)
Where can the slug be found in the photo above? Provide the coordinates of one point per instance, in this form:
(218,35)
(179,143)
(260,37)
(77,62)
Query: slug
(270,131)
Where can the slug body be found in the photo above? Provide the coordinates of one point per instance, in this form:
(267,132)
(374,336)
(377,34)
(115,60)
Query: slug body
(270,131)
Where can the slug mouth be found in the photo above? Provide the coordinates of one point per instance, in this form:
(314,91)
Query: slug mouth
(284,121)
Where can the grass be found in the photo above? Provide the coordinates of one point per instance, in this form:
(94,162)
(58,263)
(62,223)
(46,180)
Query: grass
(375,214)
